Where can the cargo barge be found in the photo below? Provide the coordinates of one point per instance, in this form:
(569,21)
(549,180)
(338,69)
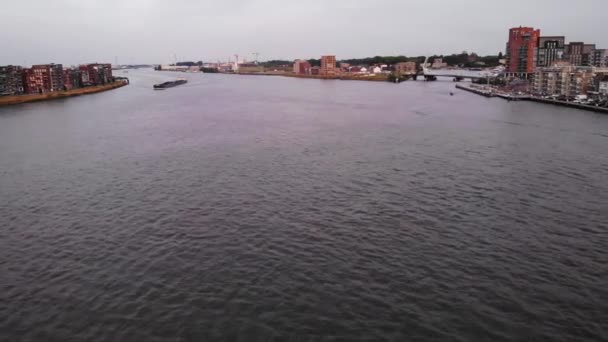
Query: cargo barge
(169,84)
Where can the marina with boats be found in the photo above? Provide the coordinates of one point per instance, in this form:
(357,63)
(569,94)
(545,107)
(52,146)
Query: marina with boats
(492,92)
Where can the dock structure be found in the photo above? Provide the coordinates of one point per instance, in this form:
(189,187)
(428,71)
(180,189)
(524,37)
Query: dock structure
(490,92)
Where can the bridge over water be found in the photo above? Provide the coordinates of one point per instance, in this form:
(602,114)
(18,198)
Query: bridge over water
(459,74)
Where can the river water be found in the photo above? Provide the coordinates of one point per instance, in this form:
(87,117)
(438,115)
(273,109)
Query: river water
(244,208)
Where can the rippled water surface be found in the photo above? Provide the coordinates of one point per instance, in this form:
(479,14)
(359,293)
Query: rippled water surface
(267,208)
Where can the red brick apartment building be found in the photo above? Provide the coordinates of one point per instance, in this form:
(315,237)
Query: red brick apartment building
(521,50)
(328,65)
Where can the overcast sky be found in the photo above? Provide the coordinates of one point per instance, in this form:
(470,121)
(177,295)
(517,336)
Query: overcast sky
(153,31)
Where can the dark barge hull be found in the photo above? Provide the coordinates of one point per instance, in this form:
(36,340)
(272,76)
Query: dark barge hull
(169,84)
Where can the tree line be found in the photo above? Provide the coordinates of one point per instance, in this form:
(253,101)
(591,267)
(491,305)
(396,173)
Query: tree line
(463,59)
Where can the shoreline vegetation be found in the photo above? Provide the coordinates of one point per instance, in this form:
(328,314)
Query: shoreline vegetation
(19,99)
(463,59)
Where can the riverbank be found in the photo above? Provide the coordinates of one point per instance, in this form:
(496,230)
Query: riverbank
(492,93)
(18,99)
(478,91)
(374,78)
(569,104)
(371,77)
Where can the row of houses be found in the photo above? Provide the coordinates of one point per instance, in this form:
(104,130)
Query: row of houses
(329,68)
(45,78)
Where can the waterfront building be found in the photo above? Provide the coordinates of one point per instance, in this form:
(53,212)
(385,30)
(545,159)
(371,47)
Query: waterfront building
(328,65)
(11,80)
(545,81)
(599,58)
(43,78)
(55,76)
(99,73)
(550,49)
(301,67)
(580,53)
(106,69)
(581,81)
(33,81)
(76,78)
(315,70)
(37,79)
(72,78)
(84,75)
(51,76)
(250,68)
(94,75)
(67,79)
(603,84)
(521,51)
(405,68)
(564,80)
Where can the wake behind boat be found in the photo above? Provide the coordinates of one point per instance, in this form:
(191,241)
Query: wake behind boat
(170,84)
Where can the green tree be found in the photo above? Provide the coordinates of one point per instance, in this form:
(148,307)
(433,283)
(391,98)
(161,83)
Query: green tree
(314,62)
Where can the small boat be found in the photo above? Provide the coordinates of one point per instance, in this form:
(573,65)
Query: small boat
(451,94)
(170,84)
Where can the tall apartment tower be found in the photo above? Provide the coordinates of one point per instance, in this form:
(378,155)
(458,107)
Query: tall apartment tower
(600,58)
(328,65)
(521,50)
(550,50)
(580,53)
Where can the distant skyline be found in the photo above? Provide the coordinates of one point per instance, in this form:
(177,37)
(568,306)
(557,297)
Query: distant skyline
(154,31)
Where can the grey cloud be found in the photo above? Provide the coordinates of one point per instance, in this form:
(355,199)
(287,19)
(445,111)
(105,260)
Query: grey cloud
(152,31)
